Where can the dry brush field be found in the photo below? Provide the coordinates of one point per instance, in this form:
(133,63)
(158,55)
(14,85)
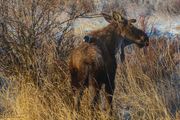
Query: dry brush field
(34,75)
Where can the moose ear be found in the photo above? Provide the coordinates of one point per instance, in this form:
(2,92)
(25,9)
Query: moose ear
(132,20)
(107,17)
(117,16)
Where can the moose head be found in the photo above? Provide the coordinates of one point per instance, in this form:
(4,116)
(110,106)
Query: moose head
(127,30)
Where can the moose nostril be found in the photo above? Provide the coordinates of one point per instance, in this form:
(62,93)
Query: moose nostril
(147,43)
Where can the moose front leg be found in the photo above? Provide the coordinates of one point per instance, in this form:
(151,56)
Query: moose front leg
(109,89)
(110,85)
(122,54)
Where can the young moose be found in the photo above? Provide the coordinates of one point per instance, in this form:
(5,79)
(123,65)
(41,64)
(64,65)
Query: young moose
(93,64)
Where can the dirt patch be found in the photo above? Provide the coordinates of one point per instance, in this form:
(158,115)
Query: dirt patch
(177,27)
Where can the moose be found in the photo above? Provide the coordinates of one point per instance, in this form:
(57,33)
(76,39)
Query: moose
(93,63)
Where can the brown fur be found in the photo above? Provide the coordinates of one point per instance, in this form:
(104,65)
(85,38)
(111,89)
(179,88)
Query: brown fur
(93,64)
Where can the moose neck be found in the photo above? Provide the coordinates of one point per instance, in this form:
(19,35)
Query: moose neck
(107,38)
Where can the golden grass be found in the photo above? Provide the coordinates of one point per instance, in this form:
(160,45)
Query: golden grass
(143,86)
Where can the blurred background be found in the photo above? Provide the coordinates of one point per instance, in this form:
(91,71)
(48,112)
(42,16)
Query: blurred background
(162,16)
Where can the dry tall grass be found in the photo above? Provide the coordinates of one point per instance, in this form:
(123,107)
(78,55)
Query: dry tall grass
(145,89)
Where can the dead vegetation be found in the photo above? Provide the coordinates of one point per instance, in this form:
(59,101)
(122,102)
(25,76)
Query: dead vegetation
(33,66)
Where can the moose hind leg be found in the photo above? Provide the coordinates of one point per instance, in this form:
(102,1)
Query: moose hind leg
(94,89)
(77,98)
(94,97)
(77,89)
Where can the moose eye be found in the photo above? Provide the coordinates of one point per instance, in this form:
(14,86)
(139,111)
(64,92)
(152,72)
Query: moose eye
(131,25)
